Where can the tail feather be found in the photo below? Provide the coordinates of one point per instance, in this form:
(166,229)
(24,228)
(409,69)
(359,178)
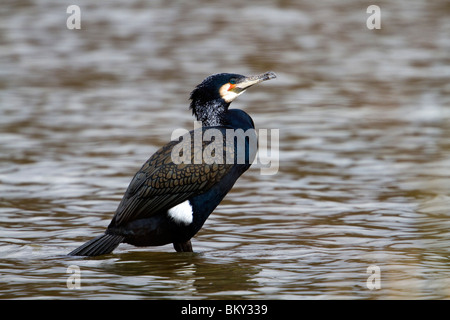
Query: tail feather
(103,244)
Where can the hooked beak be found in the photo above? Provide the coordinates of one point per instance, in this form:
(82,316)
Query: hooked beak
(247,82)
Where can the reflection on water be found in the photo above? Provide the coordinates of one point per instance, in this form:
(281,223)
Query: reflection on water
(364,124)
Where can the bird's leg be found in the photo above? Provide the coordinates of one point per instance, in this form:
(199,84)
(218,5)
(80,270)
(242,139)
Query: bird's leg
(183,246)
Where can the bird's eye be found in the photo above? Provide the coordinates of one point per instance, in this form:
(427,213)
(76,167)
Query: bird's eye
(233,81)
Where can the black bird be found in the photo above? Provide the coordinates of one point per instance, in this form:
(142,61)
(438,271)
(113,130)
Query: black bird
(168,201)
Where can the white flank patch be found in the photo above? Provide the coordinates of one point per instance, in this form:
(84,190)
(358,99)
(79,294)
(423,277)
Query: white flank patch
(181,213)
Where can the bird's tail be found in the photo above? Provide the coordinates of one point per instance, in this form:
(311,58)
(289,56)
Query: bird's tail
(103,244)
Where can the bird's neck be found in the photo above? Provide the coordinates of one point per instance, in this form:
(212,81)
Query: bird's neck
(211,113)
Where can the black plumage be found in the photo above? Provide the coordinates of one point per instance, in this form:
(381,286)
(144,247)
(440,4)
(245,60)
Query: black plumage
(168,202)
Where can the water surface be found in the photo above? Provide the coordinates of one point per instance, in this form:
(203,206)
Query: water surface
(364,148)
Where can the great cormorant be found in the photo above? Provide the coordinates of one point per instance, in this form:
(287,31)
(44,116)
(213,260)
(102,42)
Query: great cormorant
(168,201)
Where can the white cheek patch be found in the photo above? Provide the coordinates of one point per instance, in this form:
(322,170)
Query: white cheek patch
(226,95)
(181,213)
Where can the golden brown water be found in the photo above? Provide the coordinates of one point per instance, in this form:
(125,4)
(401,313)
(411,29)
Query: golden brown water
(364,120)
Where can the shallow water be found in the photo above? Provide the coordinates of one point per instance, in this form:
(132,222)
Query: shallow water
(364,147)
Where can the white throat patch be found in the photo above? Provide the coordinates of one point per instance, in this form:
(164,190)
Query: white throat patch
(181,213)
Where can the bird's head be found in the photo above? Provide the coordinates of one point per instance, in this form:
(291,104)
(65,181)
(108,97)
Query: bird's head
(211,98)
